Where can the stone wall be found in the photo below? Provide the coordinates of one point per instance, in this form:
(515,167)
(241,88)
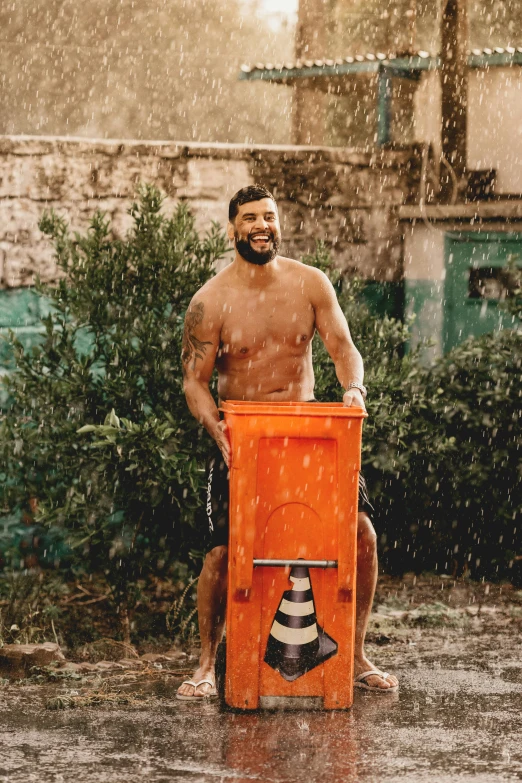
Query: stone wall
(347,198)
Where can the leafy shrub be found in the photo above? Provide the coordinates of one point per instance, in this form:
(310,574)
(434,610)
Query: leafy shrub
(441,445)
(99,433)
(453,501)
(112,342)
(479,408)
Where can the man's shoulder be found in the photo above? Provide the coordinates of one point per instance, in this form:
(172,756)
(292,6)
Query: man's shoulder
(289,262)
(209,300)
(293,265)
(211,290)
(300,270)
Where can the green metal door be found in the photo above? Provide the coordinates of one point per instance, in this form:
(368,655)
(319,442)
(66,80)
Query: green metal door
(476,283)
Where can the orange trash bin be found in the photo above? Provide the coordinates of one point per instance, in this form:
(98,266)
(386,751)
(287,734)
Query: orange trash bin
(294,482)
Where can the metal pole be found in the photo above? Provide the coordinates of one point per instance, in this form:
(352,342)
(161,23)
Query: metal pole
(306,563)
(384,100)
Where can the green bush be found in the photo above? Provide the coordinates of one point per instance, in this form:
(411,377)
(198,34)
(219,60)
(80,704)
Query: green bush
(112,342)
(453,502)
(441,450)
(479,407)
(99,433)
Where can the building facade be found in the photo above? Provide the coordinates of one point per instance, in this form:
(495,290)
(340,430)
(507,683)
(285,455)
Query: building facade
(455,240)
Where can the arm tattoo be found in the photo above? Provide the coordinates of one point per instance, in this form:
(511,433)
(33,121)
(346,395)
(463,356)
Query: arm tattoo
(192,347)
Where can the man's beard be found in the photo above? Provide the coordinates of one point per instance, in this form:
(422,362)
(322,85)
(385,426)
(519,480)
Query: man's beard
(246,251)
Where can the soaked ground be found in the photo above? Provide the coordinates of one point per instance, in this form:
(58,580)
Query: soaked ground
(457,716)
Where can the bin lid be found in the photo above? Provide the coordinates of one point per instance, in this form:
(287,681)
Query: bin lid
(331,409)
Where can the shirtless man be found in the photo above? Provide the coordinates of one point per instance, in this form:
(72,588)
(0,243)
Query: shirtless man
(254,322)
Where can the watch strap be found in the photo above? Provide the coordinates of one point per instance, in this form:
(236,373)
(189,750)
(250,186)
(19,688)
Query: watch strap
(359,386)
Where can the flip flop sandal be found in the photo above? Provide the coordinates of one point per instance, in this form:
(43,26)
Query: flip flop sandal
(359,682)
(211,694)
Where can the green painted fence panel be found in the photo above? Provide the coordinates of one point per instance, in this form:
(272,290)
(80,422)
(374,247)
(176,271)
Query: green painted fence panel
(385,298)
(21,311)
(19,307)
(474,284)
(424,302)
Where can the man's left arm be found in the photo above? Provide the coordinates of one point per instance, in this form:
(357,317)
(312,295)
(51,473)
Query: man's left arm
(333,329)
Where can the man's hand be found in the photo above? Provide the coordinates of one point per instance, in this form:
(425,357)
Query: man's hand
(353,397)
(221,438)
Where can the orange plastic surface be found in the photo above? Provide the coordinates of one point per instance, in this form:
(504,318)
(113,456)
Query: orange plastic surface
(293,494)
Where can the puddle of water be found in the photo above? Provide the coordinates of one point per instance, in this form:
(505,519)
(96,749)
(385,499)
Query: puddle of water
(456,717)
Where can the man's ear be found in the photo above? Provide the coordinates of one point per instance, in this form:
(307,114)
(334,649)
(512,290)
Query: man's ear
(230,231)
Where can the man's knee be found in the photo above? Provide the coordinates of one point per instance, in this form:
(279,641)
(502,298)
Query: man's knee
(217,559)
(366,535)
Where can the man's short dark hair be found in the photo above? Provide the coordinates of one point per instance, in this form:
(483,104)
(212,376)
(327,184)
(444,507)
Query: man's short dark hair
(243,196)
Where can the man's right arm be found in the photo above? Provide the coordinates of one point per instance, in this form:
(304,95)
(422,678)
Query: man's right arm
(200,347)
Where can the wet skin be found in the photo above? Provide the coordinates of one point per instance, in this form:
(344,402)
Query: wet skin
(254,323)
(265,337)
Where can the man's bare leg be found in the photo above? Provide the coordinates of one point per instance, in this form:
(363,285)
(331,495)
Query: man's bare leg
(212,598)
(366,583)
(212,590)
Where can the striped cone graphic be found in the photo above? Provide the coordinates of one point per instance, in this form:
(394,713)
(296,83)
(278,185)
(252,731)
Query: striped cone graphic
(296,643)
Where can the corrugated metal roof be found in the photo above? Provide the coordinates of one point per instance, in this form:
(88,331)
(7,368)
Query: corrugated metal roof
(375,61)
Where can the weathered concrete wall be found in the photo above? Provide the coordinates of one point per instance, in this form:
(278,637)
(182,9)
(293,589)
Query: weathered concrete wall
(494,121)
(346,198)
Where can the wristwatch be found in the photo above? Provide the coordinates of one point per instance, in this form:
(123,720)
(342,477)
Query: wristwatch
(359,386)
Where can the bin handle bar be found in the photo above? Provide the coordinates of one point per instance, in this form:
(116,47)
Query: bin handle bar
(306,563)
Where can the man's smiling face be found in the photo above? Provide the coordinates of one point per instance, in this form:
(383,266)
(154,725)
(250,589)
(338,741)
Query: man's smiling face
(256,231)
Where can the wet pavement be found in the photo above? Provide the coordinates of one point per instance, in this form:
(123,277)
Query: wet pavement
(457,717)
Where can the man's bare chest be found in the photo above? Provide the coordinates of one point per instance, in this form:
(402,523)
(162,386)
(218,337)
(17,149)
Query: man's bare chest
(270,321)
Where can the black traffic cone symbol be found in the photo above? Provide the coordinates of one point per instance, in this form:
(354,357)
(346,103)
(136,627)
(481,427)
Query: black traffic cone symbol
(296,643)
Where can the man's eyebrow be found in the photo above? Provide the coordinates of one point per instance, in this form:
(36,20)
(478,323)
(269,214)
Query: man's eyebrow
(253,214)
